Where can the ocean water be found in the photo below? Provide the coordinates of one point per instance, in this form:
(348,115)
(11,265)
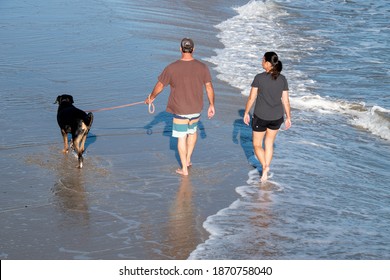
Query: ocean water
(329,194)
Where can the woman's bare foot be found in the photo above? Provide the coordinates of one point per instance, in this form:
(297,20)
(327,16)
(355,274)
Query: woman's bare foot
(264,176)
(181,172)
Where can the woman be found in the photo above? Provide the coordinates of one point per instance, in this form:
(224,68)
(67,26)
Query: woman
(270,92)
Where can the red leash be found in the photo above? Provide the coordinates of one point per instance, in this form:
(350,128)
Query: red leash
(151,107)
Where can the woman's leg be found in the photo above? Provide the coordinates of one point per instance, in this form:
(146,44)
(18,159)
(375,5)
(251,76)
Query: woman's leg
(258,137)
(269,141)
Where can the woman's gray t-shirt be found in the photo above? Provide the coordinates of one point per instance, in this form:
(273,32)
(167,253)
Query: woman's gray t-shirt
(269,96)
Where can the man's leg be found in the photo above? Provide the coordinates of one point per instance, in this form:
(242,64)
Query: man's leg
(191,142)
(186,132)
(180,128)
(183,151)
(192,138)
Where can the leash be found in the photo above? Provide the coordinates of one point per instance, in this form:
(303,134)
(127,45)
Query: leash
(151,107)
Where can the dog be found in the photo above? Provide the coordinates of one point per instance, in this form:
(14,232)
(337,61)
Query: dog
(74,121)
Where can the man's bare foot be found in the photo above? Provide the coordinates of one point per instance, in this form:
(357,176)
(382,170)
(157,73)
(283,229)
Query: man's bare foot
(264,176)
(181,172)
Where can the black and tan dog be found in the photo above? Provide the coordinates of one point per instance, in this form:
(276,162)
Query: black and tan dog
(74,121)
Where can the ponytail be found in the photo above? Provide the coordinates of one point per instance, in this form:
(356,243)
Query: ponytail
(277,65)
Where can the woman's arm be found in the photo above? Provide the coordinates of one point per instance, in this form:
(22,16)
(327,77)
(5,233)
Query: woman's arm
(249,104)
(287,109)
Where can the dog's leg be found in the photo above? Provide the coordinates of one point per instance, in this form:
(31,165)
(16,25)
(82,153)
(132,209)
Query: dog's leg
(81,161)
(79,142)
(82,147)
(71,146)
(83,139)
(65,138)
(77,149)
(86,126)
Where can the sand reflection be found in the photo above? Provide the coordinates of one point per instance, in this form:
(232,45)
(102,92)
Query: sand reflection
(263,219)
(181,235)
(69,192)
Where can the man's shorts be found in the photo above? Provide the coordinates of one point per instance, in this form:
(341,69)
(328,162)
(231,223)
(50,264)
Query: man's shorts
(184,125)
(260,125)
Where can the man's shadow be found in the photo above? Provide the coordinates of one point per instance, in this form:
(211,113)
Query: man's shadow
(167,118)
(242,134)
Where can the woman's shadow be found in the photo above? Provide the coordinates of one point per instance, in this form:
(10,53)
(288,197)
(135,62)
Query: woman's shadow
(242,134)
(166,118)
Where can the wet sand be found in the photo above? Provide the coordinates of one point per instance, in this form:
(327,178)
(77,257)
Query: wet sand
(127,202)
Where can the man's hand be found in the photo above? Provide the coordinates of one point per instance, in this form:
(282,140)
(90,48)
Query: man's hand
(211,111)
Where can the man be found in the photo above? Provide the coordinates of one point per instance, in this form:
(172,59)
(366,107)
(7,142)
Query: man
(186,77)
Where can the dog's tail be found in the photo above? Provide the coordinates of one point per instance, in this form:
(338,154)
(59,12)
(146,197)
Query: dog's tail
(89,120)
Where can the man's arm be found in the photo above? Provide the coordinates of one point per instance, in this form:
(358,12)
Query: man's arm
(211,97)
(158,88)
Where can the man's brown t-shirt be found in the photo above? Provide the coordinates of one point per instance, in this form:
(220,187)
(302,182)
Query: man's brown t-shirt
(186,79)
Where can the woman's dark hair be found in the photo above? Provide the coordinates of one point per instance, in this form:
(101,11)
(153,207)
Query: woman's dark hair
(277,66)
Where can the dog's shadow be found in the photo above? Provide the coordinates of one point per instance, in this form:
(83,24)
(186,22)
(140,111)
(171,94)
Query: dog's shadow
(167,118)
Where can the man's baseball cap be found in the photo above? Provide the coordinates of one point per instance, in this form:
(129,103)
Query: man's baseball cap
(187,45)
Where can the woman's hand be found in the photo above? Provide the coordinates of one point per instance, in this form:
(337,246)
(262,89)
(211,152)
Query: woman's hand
(287,123)
(247,118)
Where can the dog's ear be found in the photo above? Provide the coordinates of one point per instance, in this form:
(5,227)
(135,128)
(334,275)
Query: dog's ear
(57,100)
(71,99)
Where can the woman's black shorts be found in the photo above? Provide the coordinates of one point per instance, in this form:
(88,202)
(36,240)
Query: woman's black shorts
(262,125)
